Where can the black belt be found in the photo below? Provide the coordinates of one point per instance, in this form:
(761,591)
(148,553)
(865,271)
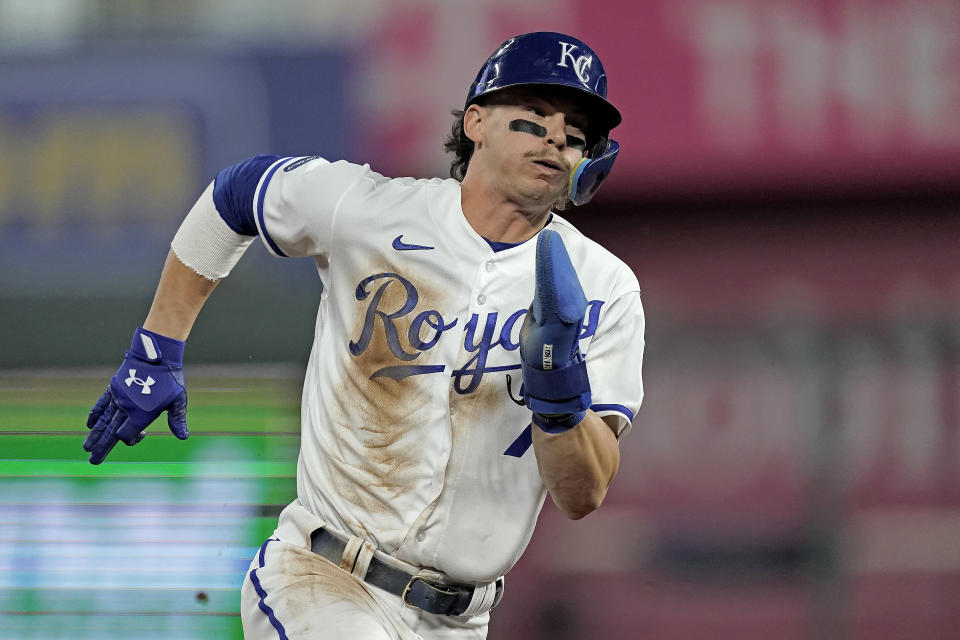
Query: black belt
(414,590)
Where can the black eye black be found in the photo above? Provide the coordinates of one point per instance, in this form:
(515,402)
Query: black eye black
(576,143)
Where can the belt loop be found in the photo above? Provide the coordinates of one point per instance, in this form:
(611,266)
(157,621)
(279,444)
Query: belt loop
(349,558)
(364,556)
(484,598)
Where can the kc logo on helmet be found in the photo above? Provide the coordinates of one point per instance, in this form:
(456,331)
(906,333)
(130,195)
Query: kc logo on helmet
(145,384)
(580,64)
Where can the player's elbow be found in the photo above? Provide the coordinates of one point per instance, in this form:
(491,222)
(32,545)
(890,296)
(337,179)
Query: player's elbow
(580,504)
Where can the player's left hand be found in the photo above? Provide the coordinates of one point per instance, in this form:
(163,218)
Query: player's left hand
(148,382)
(555,383)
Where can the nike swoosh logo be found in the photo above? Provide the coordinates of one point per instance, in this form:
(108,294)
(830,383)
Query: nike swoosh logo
(400,245)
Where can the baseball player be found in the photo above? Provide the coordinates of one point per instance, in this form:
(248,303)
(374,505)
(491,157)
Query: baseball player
(473,352)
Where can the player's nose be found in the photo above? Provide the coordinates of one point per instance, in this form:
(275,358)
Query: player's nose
(556,125)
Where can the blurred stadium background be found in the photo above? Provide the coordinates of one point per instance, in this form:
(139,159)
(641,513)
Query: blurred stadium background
(787,194)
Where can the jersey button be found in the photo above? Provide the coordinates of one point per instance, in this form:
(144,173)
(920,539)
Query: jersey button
(490,267)
(421,536)
(481,299)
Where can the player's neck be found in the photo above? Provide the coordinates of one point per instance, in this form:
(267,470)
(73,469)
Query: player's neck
(496,217)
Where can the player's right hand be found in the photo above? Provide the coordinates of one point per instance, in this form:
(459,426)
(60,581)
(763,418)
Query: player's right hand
(149,382)
(555,382)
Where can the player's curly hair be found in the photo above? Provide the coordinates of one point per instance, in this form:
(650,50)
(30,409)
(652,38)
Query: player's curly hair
(460,146)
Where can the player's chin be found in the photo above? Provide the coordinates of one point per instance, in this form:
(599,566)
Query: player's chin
(558,196)
(549,190)
(563,195)
(545,200)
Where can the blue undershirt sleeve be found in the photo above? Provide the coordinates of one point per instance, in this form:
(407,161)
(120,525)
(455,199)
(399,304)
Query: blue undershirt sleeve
(233,190)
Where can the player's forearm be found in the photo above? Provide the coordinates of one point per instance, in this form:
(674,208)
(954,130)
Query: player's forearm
(578,465)
(204,250)
(178,300)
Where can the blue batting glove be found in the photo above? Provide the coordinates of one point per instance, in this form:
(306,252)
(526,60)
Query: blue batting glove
(149,382)
(555,383)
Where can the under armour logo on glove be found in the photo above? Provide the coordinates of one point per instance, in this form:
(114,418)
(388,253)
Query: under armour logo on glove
(146,384)
(154,363)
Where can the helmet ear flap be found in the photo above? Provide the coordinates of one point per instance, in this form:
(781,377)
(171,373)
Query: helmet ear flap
(590,172)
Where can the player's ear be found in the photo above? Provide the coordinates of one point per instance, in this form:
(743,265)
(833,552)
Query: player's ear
(474,119)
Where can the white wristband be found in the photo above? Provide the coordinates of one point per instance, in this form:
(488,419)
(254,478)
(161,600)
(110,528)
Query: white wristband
(205,243)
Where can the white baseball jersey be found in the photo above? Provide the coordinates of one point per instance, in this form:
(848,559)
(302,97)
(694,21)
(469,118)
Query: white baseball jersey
(410,438)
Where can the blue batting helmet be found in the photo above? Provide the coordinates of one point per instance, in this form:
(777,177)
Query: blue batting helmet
(548,58)
(555,59)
